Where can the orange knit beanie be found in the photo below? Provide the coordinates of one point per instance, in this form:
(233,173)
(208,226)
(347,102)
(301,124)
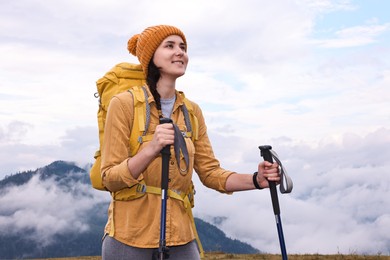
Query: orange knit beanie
(144,45)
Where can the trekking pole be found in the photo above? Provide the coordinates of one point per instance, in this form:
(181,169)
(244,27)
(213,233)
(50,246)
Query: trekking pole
(163,250)
(265,151)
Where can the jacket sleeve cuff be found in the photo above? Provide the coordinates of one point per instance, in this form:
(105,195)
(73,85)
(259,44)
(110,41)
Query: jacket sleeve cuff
(126,175)
(224,184)
(118,177)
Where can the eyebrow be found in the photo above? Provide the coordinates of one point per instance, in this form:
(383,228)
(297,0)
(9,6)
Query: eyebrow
(181,43)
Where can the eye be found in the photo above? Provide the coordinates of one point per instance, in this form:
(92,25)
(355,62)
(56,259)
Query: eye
(183,47)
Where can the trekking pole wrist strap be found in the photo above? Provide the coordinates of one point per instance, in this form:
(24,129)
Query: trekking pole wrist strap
(255,181)
(286,183)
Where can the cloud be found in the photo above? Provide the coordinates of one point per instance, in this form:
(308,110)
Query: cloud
(77,145)
(271,60)
(338,204)
(14,131)
(45,209)
(355,36)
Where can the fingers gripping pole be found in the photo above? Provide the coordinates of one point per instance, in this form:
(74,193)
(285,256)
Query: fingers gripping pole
(265,151)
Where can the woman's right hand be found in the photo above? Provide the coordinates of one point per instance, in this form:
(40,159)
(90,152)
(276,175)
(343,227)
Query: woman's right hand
(163,135)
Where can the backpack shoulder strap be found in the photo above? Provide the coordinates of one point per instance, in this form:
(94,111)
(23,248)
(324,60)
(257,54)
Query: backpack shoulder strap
(190,118)
(139,130)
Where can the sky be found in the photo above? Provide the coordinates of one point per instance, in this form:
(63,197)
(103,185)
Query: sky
(309,77)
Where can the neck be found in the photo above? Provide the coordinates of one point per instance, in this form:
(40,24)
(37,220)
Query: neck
(166,88)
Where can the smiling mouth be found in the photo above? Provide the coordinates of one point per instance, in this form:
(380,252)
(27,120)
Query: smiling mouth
(178,61)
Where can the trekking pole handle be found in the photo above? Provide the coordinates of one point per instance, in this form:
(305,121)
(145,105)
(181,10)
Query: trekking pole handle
(166,149)
(266,154)
(165,153)
(165,120)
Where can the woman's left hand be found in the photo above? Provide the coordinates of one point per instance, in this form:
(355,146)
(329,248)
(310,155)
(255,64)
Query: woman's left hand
(268,172)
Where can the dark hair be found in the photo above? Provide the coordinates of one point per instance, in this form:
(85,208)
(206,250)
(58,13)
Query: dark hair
(151,79)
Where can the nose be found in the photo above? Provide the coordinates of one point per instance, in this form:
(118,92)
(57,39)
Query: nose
(179,52)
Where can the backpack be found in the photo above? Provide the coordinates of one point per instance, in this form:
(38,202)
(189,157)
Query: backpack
(129,77)
(119,79)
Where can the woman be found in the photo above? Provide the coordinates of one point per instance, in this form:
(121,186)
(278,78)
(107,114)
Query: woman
(162,52)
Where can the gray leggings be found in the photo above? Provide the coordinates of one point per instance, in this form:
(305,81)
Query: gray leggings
(112,249)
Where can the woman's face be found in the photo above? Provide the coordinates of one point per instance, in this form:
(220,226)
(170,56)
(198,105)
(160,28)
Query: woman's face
(171,57)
